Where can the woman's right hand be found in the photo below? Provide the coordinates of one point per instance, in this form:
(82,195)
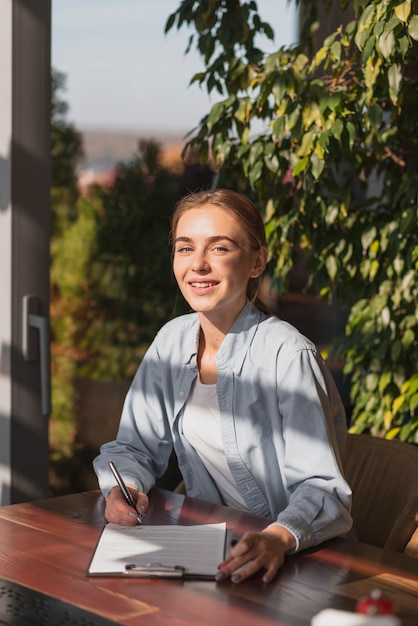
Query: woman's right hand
(118,510)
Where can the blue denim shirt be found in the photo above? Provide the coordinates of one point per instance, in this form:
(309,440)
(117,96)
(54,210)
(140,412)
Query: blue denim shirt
(283,424)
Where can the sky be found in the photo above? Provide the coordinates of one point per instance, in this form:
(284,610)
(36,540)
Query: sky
(123,73)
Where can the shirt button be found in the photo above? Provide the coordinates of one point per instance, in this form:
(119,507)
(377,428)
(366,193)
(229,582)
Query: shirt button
(181,393)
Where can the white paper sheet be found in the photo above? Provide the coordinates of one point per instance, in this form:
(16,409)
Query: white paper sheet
(197,549)
(333,617)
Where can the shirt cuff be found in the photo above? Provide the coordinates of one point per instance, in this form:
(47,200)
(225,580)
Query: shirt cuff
(292,532)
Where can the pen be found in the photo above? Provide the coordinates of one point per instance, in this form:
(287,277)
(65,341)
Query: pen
(125,491)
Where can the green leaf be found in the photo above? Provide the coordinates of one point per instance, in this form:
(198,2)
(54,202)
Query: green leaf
(279,88)
(393,432)
(364,24)
(372,381)
(320,146)
(371,72)
(323,141)
(215,115)
(351,132)
(332,266)
(279,127)
(387,44)
(414,402)
(198,78)
(392,23)
(170,21)
(336,50)
(413,27)
(334,101)
(307,142)
(337,129)
(331,215)
(293,118)
(385,316)
(242,114)
(320,56)
(397,403)
(255,172)
(310,115)
(255,152)
(402,11)
(368,237)
(317,165)
(408,338)
(301,61)
(245,135)
(374,268)
(272,163)
(272,61)
(384,381)
(395,81)
(413,387)
(268,31)
(369,47)
(403,44)
(300,166)
(222,150)
(405,431)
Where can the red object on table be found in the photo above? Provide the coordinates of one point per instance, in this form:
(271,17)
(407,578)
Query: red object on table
(375,604)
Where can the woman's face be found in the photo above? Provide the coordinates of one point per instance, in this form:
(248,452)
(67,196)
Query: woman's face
(213,262)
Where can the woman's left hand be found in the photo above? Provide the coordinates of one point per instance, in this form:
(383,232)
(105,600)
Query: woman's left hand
(255,551)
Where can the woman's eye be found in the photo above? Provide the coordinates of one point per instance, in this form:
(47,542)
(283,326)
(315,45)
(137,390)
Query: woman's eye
(220,249)
(183,250)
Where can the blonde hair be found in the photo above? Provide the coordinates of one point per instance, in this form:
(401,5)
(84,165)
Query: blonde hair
(246,215)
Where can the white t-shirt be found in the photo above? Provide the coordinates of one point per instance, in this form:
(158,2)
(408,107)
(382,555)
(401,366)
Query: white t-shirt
(202,429)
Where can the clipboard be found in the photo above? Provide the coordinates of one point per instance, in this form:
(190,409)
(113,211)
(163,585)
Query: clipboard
(159,551)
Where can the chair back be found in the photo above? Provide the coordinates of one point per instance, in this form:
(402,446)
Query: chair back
(383,475)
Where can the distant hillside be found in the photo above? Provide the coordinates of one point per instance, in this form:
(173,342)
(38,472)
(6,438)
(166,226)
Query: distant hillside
(104,148)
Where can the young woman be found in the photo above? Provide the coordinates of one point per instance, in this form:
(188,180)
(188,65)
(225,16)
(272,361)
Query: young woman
(245,400)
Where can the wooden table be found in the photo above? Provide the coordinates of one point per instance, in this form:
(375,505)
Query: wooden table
(47,546)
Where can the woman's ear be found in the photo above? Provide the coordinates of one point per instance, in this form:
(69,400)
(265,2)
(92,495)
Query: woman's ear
(260,262)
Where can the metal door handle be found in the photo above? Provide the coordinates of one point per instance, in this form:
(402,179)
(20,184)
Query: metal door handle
(37,348)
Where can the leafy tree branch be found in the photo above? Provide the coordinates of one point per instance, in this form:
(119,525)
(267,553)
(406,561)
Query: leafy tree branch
(334,169)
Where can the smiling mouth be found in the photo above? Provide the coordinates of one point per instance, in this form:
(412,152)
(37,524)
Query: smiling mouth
(203,285)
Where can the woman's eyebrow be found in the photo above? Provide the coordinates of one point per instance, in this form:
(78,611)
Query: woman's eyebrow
(182,239)
(213,239)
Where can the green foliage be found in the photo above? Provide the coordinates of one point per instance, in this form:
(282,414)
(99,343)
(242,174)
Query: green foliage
(71,249)
(130,273)
(334,168)
(111,269)
(111,278)
(66,154)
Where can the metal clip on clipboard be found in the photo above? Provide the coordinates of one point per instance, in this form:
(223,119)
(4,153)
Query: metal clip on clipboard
(154,570)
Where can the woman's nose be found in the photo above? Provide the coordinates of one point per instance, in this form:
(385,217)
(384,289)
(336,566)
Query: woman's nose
(200,262)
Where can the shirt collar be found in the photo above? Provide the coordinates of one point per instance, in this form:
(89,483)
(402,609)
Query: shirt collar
(235,346)
(231,354)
